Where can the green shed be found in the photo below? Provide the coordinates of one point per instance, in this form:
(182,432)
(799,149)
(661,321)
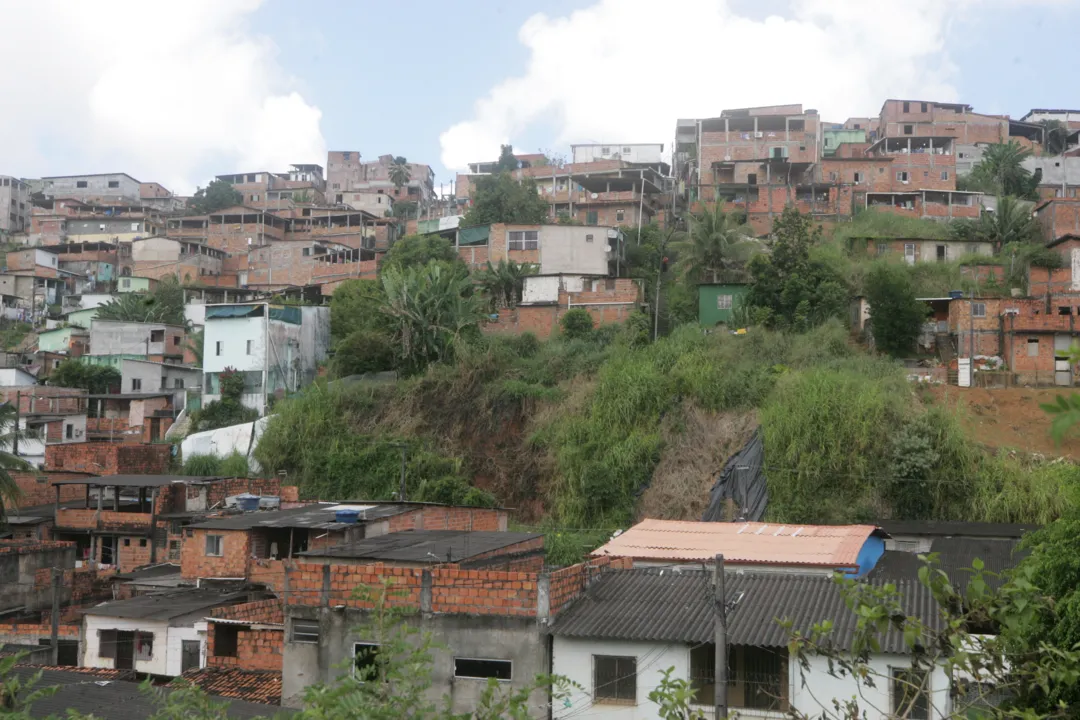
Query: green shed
(832,138)
(717,302)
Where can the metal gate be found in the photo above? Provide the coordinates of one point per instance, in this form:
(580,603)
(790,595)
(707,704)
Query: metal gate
(1062,364)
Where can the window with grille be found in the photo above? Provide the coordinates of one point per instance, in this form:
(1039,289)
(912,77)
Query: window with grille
(1033,347)
(723,302)
(703,673)
(523,240)
(305,631)
(226,639)
(615,679)
(910,693)
(978,310)
(214,545)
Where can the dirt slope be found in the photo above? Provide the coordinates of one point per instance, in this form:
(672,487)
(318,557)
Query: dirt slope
(1007,418)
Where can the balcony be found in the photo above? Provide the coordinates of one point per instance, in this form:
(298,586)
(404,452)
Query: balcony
(89,519)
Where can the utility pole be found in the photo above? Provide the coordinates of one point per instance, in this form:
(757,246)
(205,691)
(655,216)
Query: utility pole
(720,632)
(55,616)
(15,431)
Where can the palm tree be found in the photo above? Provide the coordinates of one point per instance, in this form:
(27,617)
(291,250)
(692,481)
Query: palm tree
(720,244)
(10,494)
(504,283)
(399,172)
(1001,168)
(1055,134)
(1011,221)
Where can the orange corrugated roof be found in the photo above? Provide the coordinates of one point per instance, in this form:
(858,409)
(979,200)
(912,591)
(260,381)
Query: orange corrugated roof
(743,543)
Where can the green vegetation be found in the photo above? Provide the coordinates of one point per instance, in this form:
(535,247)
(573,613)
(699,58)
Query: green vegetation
(218,195)
(234,465)
(577,324)
(896,316)
(10,494)
(163,304)
(13,333)
(399,172)
(419,250)
(719,246)
(500,198)
(96,379)
(228,410)
(1000,172)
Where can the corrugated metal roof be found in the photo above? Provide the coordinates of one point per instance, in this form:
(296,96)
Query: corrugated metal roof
(321,516)
(935,528)
(955,557)
(166,605)
(831,546)
(138,480)
(425,545)
(668,605)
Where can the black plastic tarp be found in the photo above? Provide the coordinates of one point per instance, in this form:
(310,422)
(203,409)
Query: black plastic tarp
(742,481)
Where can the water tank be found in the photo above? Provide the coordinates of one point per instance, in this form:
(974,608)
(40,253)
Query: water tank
(247,502)
(270,502)
(956,294)
(347,515)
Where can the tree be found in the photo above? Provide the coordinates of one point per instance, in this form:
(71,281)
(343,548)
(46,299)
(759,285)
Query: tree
(218,195)
(577,324)
(193,343)
(790,289)
(982,641)
(1001,171)
(399,172)
(405,209)
(163,304)
(227,411)
(503,284)
(419,250)
(502,199)
(431,309)
(719,246)
(355,305)
(10,494)
(1010,222)
(895,315)
(1055,136)
(95,379)
(364,351)
(506,162)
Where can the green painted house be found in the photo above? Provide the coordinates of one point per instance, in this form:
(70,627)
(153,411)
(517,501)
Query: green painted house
(82,318)
(63,339)
(135,284)
(717,302)
(833,138)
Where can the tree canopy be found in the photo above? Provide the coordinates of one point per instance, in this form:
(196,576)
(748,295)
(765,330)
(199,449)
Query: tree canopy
(218,195)
(163,304)
(1001,172)
(1010,222)
(719,246)
(502,199)
(895,315)
(419,250)
(506,162)
(399,172)
(97,379)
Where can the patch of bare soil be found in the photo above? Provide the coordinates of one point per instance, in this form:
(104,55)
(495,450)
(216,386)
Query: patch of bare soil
(696,446)
(1009,418)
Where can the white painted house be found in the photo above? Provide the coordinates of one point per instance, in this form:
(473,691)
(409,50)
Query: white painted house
(161,634)
(278,348)
(631,625)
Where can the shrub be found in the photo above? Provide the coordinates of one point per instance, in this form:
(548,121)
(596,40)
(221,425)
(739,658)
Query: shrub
(576,324)
(202,465)
(363,351)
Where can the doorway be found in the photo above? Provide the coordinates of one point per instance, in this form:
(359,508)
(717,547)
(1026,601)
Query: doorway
(190,653)
(1062,364)
(108,549)
(125,649)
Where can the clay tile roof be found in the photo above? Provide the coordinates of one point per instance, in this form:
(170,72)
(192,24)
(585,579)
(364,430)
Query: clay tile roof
(259,686)
(829,546)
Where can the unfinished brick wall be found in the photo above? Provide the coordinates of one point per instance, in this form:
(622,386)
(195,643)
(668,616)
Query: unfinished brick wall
(1058,217)
(218,491)
(38,489)
(449,518)
(260,611)
(568,583)
(104,458)
(233,562)
(260,649)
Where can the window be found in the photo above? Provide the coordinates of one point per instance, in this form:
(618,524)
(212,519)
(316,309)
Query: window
(910,691)
(106,643)
(944,174)
(214,545)
(69,431)
(828,142)
(907,107)
(306,631)
(178,383)
(136,384)
(306,252)
(176,340)
(174,549)
(190,650)
(751,179)
(254,198)
(523,240)
(909,129)
(483,669)
(590,217)
(364,659)
(1033,347)
(858,178)
(882,248)
(225,640)
(127,542)
(703,673)
(80,183)
(142,542)
(978,310)
(858,126)
(114,183)
(588,238)
(605,151)
(144,646)
(619,216)
(337,186)
(615,679)
(249,347)
(924,107)
(218,347)
(903,176)
(626,151)
(723,302)
(157,336)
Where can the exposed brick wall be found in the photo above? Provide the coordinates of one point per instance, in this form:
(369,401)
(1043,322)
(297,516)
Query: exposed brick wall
(1061,216)
(255,649)
(236,551)
(38,489)
(260,611)
(449,518)
(217,492)
(104,458)
(567,583)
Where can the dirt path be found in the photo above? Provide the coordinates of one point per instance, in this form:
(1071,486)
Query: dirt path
(1008,418)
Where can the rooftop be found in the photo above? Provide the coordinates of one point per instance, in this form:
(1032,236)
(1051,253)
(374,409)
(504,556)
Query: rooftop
(425,546)
(955,556)
(827,546)
(138,480)
(319,516)
(665,605)
(166,605)
(927,528)
(257,686)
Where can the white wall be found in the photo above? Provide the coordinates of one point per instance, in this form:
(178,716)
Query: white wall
(195,313)
(174,647)
(88,301)
(575,249)
(541,289)
(234,334)
(821,688)
(15,377)
(156,665)
(637,153)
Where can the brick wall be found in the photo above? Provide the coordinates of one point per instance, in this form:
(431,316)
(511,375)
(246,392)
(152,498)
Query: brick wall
(566,584)
(104,458)
(218,491)
(605,306)
(37,489)
(1061,216)
(255,649)
(260,611)
(233,563)
(449,518)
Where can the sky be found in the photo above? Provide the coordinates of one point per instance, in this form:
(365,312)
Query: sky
(177,91)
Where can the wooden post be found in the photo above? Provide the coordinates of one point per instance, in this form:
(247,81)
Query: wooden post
(720,630)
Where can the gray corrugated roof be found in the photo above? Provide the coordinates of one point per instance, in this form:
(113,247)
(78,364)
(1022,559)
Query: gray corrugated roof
(955,529)
(665,605)
(116,699)
(166,605)
(150,571)
(425,546)
(955,556)
(139,480)
(319,516)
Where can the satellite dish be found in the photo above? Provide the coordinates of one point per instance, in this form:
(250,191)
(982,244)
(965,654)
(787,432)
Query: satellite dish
(594,196)
(607,248)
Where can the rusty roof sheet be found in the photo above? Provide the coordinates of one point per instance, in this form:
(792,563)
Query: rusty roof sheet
(257,686)
(831,546)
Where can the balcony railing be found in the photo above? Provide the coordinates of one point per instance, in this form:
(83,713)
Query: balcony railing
(91,519)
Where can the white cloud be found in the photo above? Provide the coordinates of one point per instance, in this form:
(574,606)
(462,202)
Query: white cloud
(168,91)
(625,70)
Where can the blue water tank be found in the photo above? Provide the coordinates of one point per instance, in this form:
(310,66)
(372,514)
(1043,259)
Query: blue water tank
(956,294)
(247,502)
(347,515)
